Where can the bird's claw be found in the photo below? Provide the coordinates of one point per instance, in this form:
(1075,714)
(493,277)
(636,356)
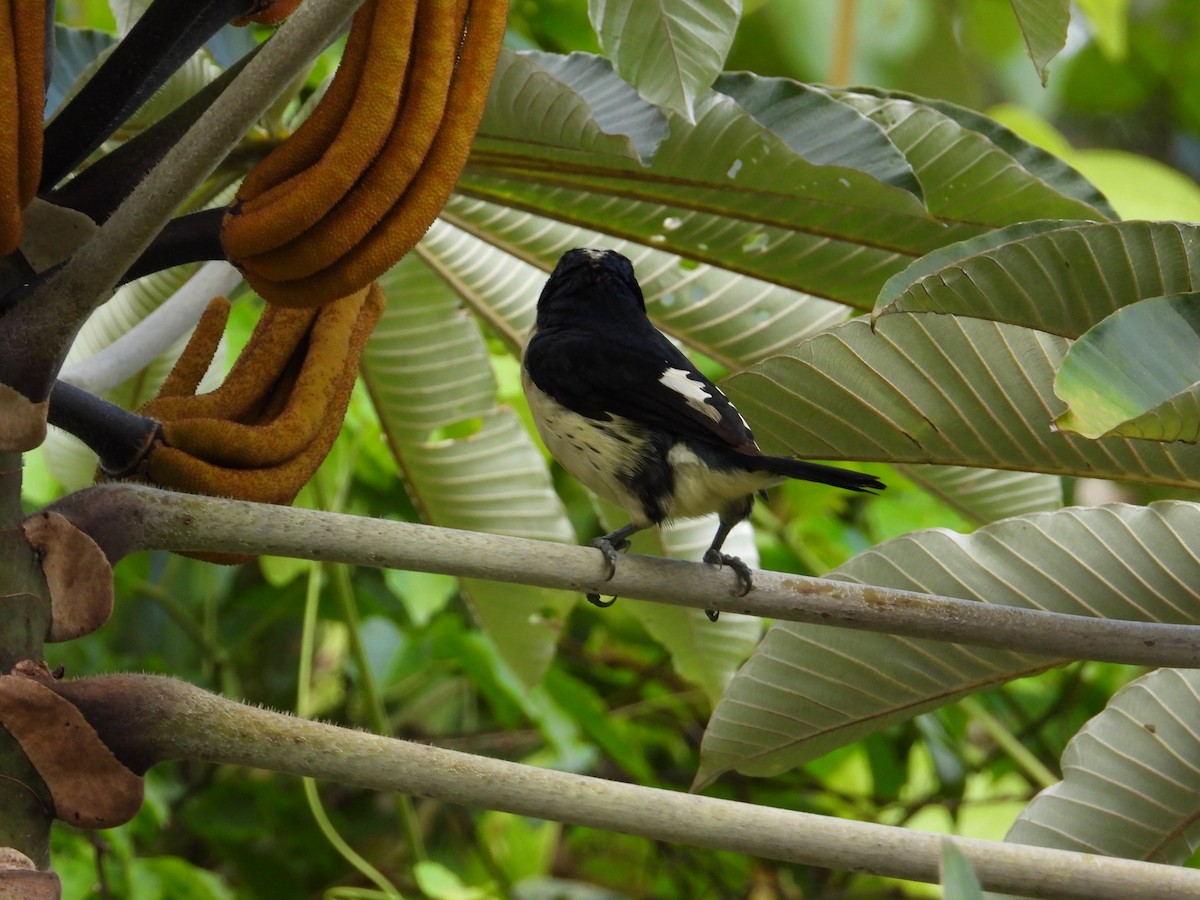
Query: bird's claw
(610,549)
(740,569)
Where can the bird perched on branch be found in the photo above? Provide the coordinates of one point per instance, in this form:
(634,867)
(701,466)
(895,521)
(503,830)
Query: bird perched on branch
(627,414)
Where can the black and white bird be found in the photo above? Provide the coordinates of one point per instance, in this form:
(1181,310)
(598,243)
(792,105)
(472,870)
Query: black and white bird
(629,416)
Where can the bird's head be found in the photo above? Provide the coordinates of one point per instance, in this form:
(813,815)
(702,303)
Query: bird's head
(591,285)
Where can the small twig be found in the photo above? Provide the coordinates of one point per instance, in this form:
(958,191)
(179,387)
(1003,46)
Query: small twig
(125,518)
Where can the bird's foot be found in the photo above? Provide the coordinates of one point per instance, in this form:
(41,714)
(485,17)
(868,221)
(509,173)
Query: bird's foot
(740,569)
(610,548)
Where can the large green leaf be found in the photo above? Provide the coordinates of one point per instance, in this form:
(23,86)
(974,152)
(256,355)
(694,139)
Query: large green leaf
(467,462)
(924,388)
(732,318)
(729,191)
(1062,281)
(1034,159)
(1136,374)
(811,688)
(670,50)
(1130,785)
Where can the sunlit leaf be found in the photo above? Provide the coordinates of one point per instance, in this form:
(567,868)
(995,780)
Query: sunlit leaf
(670,50)
(968,176)
(1136,374)
(1062,281)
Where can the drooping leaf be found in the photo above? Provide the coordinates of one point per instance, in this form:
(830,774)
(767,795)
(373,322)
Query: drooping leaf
(1062,281)
(1136,373)
(1129,787)
(468,463)
(819,128)
(670,50)
(924,388)
(1044,27)
(967,176)
(1038,162)
(811,688)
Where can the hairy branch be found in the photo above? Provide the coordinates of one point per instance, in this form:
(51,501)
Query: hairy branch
(145,719)
(126,518)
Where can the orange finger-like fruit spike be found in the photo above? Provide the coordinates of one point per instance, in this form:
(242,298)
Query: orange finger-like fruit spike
(406,222)
(197,356)
(262,443)
(258,222)
(435,49)
(22,99)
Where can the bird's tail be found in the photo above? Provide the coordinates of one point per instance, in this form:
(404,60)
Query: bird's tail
(809,471)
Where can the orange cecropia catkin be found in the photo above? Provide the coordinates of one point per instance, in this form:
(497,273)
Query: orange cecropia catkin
(22,100)
(266,429)
(333,208)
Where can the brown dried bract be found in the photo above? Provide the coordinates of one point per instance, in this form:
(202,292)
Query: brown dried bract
(89,786)
(77,573)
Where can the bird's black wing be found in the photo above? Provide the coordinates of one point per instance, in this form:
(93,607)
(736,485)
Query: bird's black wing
(639,375)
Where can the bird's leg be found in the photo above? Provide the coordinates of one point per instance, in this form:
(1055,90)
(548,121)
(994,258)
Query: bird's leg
(610,545)
(714,557)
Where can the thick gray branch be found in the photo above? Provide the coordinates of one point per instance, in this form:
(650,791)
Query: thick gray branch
(173,720)
(124,518)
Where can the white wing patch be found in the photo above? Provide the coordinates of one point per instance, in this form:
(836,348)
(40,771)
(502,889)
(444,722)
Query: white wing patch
(694,392)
